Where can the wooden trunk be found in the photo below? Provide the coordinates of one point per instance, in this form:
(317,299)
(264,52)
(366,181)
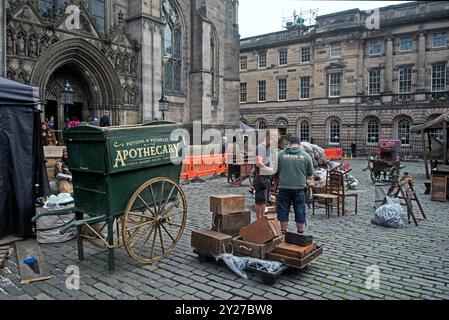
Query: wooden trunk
(294,262)
(259,251)
(261,231)
(294,251)
(225,204)
(298,239)
(223,222)
(234,233)
(211,242)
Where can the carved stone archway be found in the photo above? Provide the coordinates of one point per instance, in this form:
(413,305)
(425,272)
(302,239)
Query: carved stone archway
(102,81)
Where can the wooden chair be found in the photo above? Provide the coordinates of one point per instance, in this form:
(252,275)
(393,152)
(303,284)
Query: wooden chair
(329,197)
(335,194)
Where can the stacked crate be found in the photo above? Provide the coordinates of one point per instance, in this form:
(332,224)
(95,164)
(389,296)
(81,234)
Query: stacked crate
(228,214)
(233,232)
(228,218)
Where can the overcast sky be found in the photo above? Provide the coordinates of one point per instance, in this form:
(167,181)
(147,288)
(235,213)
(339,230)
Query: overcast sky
(258,17)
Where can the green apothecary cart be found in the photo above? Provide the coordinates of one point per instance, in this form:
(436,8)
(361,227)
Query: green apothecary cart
(126,189)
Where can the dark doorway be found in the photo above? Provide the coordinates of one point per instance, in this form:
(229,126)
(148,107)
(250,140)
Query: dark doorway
(75,111)
(72,75)
(51,109)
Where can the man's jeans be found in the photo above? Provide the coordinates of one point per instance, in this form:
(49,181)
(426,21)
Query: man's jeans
(288,197)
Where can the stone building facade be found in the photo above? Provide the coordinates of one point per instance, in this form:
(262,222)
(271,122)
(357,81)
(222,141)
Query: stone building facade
(121,52)
(347,79)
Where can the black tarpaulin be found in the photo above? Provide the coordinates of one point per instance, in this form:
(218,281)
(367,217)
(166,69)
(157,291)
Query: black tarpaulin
(23,177)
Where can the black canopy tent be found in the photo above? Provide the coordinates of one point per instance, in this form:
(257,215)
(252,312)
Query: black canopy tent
(23,177)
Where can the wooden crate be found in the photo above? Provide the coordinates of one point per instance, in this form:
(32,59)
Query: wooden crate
(293,250)
(223,222)
(227,204)
(254,250)
(211,242)
(438,189)
(261,231)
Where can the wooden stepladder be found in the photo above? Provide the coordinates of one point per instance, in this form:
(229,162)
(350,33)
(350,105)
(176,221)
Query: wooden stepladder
(403,189)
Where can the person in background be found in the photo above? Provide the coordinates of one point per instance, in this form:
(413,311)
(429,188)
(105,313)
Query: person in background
(74,122)
(295,167)
(63,174)
(104,121)
(51,123)
(51,139)
(262,181)
(44,132)
(353,148)
(95,122)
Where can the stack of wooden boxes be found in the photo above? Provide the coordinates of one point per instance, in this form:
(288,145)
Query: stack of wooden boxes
(233,232)
(293,250)
(228,214)
(228,218)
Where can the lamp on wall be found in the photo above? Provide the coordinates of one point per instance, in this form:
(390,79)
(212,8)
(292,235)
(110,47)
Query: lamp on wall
(164,105)
(67,94)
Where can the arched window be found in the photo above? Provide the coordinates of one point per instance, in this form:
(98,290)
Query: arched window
(404,132)
(98,10)
(282,123)
(304,131)
(334,131)
(372,131)
(261,125)
(172,48)
(96,7)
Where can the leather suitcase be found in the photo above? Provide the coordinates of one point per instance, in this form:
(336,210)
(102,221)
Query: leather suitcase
(294,251)
(223,222)
(298,239)
(226,204)
(259,251)
(261,231)
(294,262)
(211,242)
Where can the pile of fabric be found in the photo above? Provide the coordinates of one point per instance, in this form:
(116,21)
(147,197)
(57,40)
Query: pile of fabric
(316,153)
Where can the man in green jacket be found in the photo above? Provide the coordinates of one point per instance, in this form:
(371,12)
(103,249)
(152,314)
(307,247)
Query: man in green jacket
(294,167)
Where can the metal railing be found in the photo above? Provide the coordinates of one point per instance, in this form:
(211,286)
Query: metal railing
(412,149)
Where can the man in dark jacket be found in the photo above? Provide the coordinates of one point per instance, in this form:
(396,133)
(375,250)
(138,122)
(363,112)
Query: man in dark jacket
(294,167)
(104,121)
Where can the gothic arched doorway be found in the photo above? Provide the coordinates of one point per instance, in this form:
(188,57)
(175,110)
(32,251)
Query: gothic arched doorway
(82,96)
(96,84)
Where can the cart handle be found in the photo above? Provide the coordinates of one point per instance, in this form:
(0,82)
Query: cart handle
(78,223)
(61,212)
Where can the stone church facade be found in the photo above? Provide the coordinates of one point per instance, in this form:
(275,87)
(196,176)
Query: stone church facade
(125,55)
(338,80)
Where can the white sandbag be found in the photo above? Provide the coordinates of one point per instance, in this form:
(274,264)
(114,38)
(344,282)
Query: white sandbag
(48,229)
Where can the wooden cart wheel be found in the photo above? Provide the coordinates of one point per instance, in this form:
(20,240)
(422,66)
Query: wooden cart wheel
(234,179)
(154,220)
(393,174)
(375,176)
(98,238)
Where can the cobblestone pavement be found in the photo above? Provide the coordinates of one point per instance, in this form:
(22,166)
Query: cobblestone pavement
(414,261)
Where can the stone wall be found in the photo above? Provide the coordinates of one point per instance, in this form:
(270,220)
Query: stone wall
(135,33)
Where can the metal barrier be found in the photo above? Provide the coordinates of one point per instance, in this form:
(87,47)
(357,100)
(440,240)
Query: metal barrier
(195,167)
